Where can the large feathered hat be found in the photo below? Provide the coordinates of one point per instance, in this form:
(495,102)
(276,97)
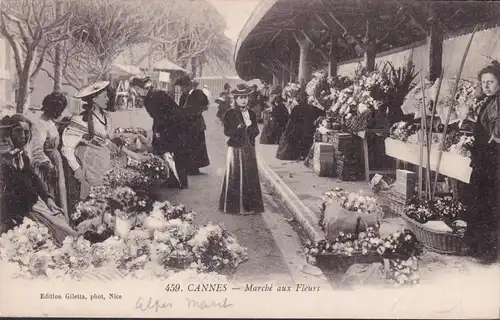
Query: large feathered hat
(140,81)
(92,89)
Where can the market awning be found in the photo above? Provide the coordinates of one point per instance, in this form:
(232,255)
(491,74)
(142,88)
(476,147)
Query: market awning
(168,65)
(120,69)
(266,42)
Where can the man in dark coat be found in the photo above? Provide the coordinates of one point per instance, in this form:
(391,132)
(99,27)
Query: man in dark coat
(194,102)
(170,125)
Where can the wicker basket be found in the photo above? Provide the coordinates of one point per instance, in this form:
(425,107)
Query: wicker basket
(437,241)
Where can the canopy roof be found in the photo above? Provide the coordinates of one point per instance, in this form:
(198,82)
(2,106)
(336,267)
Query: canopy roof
(268,36)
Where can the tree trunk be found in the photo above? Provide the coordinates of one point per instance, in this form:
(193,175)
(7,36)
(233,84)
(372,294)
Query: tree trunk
(23,94)
(193,66)
(58,62)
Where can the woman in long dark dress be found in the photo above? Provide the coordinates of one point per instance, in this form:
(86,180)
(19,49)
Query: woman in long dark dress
(22,192)
(170,128)
(297,139)
(275,125)
(241,192)
(194,102)
(484,187)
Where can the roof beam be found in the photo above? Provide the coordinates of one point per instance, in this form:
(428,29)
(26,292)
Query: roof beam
(381,41)
(416,20)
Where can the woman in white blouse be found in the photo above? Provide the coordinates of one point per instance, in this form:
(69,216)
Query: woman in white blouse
(85,143)
(46,158)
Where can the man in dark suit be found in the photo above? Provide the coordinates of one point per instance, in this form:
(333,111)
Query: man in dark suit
(194,102)
(170,125)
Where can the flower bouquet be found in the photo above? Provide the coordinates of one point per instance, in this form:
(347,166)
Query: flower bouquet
(137,130)
(217,250)
(153,170)
(402,130)
(291,93)
(357,105)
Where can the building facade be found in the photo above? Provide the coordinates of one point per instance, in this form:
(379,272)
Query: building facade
(6,74)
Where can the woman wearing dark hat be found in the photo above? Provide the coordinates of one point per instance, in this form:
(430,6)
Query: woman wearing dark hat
(298,137)
(483,221)
(275,124)
(241,192)
(194,102)
(85,142)
(46,158)
(224,101)
(22,193)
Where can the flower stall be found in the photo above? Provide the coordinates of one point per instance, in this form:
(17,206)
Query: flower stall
(124,233)
(359,110)
(439,139)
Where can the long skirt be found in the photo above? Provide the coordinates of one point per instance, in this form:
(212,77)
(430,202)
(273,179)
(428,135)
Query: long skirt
(271,132)
(198,154)
(56,185)
(57,223)
(95,161)
(241,192)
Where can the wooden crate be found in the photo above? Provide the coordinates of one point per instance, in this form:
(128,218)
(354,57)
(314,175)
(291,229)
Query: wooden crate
(323,159)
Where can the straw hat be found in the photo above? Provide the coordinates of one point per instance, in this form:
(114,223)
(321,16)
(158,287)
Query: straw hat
(242,90)
(92,89)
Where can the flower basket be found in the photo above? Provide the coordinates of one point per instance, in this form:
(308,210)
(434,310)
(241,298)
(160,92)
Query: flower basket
(437,241)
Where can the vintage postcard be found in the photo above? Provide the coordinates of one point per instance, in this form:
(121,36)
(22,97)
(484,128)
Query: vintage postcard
(250,158)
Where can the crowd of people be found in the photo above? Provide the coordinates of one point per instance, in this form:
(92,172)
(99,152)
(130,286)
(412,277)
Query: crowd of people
(49,164)
(65,158)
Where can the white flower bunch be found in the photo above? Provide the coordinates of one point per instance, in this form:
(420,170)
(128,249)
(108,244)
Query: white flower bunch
(462,147)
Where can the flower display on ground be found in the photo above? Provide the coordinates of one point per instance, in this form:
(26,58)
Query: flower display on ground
(170,245)
(123,234)
(400,249)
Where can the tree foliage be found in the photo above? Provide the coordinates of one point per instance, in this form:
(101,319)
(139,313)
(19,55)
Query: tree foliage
(100,31)
(31,28)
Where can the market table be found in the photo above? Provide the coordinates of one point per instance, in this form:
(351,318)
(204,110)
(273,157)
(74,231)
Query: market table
(452,165)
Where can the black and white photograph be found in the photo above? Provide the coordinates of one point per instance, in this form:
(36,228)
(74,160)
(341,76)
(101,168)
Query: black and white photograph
(250,158)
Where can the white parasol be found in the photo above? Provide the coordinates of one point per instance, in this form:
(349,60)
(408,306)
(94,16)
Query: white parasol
(169,158)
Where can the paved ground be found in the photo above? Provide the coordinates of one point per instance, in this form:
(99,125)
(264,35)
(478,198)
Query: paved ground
(274,248)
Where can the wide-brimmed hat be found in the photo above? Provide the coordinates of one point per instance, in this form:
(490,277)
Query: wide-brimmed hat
(242,90)
(92,89)
(139,81)
(185,80)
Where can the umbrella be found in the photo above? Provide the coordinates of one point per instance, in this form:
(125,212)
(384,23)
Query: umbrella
(171,164)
